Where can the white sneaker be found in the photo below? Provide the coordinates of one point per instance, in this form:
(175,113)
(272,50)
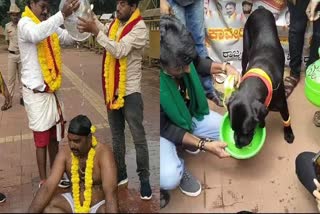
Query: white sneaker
(123,182)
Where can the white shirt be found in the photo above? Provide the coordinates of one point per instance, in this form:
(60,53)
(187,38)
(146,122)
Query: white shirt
(29,35)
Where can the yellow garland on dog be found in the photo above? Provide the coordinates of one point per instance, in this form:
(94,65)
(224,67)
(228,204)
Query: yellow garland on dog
(85,208)
(52,77)
(110,65)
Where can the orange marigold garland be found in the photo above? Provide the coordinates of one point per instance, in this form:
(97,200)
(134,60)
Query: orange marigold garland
(49,56)
(110,64)
(75,179)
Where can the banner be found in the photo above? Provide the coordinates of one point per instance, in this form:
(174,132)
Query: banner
(224,23)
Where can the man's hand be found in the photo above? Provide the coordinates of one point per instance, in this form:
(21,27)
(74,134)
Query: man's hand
(87,26)
(165,8)
(70,6)
(316,192)
(230,70)
(217,148)
(311,10)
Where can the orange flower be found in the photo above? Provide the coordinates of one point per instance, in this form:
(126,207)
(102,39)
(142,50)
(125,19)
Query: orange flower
(110,65)
(49,56)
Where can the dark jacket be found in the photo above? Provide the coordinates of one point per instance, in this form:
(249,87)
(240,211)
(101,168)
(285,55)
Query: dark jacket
(168,129)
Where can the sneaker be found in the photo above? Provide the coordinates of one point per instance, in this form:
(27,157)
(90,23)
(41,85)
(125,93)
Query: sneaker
(3,198)
(145,190)
(123,180)
(164,198)
(189,185)
(64,183)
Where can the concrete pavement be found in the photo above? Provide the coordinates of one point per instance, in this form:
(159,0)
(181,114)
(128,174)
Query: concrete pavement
(266,183)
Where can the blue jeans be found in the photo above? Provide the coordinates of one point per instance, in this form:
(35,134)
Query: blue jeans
(192,16)
(297,29)
(171,166)
(207,84)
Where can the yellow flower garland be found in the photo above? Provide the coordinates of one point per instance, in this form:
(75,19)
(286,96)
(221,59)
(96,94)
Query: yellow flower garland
(110,64)
(51,76)
(85,208)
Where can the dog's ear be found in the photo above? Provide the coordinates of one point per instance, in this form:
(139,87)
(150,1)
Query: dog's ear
(260,111)
(229,101)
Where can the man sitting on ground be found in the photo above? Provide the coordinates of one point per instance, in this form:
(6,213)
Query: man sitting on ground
(92,169)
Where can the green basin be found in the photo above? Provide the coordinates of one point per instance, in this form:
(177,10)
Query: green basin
(226,135)
(312,91)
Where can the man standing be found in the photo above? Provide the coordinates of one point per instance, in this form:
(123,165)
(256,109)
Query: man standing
(92,169)
(14,62)
(124,44)
(39,40)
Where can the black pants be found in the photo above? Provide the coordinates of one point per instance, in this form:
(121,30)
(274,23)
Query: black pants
(297,29)
(305,171)
(132,112)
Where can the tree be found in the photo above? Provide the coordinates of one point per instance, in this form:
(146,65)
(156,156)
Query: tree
(103,6)
(4,7)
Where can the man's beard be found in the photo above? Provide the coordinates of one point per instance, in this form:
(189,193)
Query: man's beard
(125,18)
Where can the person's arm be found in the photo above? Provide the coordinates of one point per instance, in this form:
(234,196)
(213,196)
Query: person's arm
(180,136)
(311,10)
(137,38)
(208,66)
(108,171)
(99,25)
(35,33)
(165,7)
(169,130)
(215,147)
(45,193)
(64,37)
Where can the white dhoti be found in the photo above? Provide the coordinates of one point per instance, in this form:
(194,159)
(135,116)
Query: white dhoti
(42,111)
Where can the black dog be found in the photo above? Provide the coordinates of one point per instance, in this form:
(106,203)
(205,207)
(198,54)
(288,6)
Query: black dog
(250,105)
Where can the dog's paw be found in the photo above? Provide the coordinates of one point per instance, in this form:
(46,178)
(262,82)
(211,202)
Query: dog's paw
(288,134)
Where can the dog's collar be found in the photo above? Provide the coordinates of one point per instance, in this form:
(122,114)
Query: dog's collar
(257,72)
